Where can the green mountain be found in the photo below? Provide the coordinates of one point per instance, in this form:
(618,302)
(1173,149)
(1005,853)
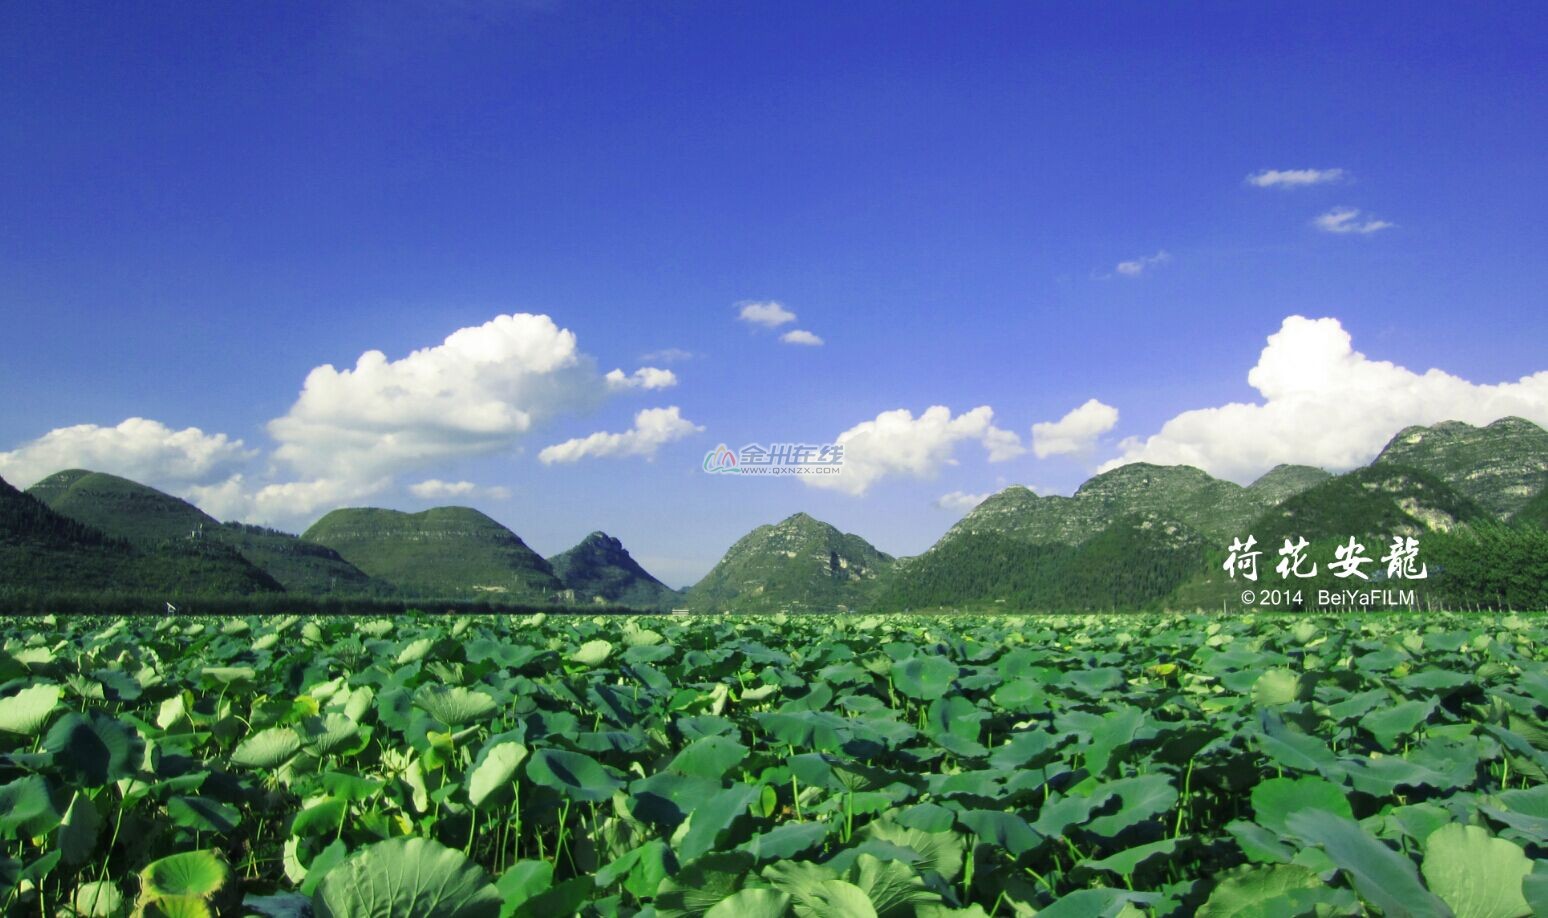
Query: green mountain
(1501,466)
(600,568)
(147,518)
(799,564)
(1283,482)
(121,507)
(1213,508)
(441,552)
(42,550)
(1134,563)
(299,566)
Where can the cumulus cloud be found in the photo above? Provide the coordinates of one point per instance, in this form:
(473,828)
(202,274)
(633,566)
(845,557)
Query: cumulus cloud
(477,392)
(1345,220)
(1076,432)
(643,378)
(897,443)
(1138,266)
(1325,404)
(801,336)
(436,489)
(288,503)
(960,501)
(768,314)
(653,428)
(141,449)
(1294,178)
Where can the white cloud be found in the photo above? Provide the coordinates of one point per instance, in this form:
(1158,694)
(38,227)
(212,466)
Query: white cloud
(1076,432)
(1343,220)
(1326,404)
(801,336)
(1138,266)
(643,378)
(292,503)
(769,314)
(141,449)
(960,501)
(667,355)
(436,489)
(432,488)
(653,428)
(897,443)
(1294,178)
(477,392)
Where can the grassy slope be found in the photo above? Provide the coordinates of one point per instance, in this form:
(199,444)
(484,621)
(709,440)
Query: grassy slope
(445,551)
(43,550)
(152,519)
(1132,564)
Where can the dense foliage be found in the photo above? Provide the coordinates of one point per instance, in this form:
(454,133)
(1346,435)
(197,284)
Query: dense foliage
(1134,564)
(1492,566)
(809,766)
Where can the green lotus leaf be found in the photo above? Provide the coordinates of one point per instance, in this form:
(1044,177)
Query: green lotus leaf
(78,830)
(1143,797)
(1004,830)
(267,749)
(1261,891)
(523,880)
(454,706)
(1125,862)
(712,817)
(320,818)
(229,675)
(709,757)
(758,902)
(924,678)
(1381,876)
(27,807)
(406,878)
(494,771)
(95,748)
(592,653)
(940,852)
(175,907)
(1275,799)
(1478,875)
(203,814)
(701,885)
(1276,687)
(786,841)
(572,774)
(98,899)
(564,898)
(415,651)
(331,733)
(28,710)
(1390,723)
(890,886)
(833,899)
(204,874)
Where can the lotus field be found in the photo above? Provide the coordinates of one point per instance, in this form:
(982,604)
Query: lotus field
(771,766)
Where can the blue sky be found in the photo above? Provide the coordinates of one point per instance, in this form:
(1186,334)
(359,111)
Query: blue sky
(203,203)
